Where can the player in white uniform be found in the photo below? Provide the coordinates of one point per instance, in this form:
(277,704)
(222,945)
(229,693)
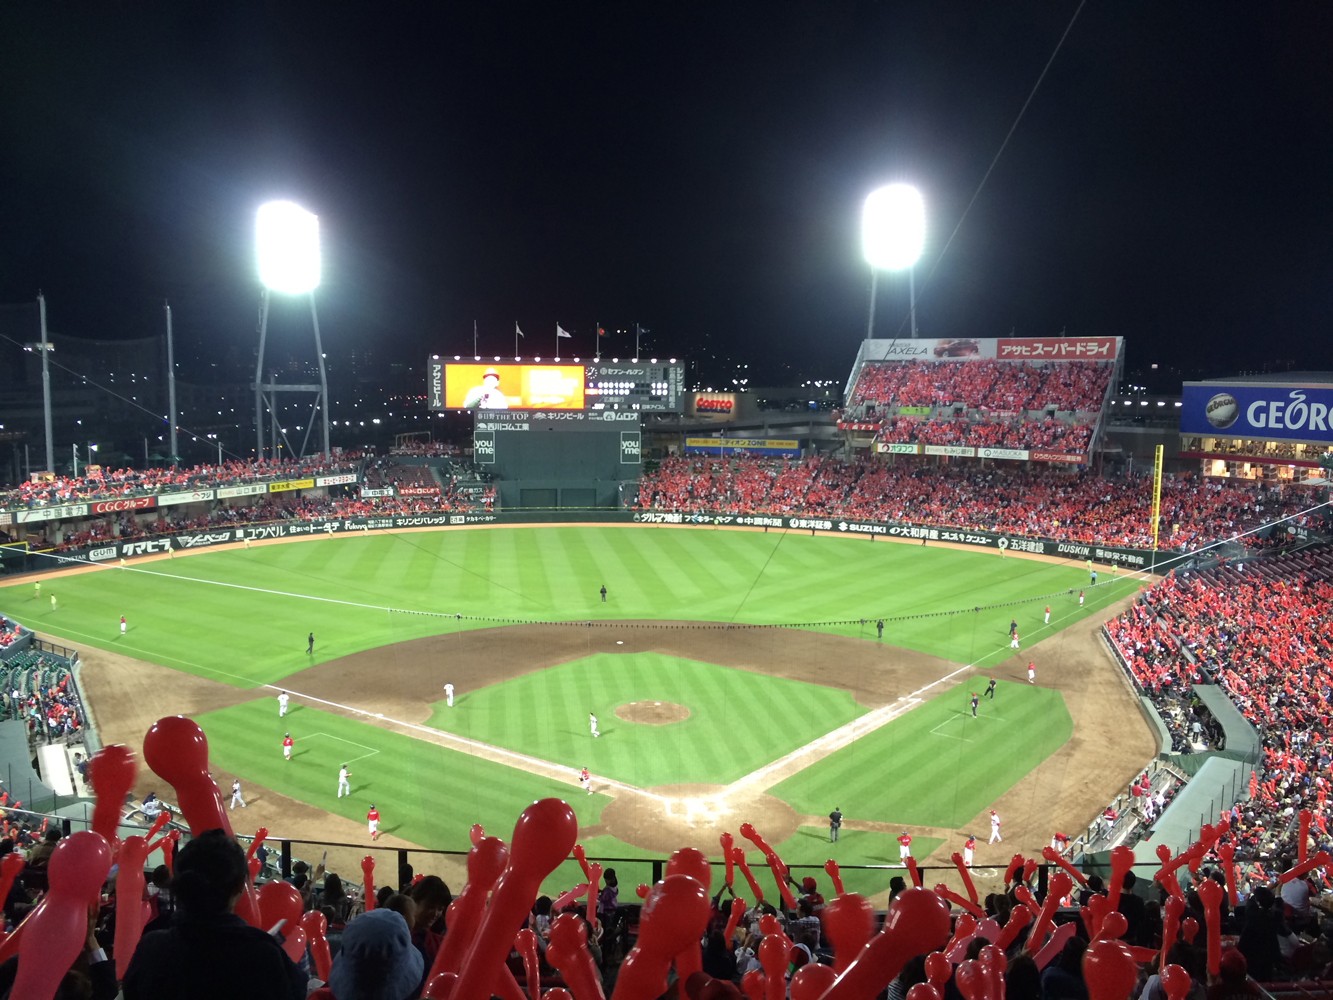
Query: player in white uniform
(122,624)
(1048,614)
(1013,640)
(1032,673)
(994,828)
(449,695)
(282,704)
(236,794)
(592,724)
(344,786)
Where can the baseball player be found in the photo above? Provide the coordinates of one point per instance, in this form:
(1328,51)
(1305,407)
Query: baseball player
(968,847)
(1032,673)
(37,590)
(53,602)
(1090,569)
(974,704)
(1048,614)
(449,695)
(994,828)
(122,624)
(1013,640)
(344,786)
(1080,598)
(282,703)
(287,745)
(990,689)
(592,723)
(236,794)
(585,779)
(310,643)
(904,845)
(373,821)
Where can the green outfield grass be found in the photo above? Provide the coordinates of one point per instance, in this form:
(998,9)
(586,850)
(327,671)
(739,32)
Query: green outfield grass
(241,616)
(936,765)
(738,721)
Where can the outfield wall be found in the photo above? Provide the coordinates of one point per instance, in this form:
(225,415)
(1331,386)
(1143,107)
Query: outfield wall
(14,561)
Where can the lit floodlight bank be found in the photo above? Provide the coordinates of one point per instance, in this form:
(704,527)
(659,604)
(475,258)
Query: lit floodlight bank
(287,239)
(893,227)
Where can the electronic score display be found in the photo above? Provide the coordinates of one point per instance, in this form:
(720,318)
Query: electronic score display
(648,388)
(645,388)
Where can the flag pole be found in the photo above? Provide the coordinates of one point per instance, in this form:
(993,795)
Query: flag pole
(636,340)
(557,341)
(474,340)
(597,341)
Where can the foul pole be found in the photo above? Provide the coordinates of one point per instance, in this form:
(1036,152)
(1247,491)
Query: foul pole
(1156,498)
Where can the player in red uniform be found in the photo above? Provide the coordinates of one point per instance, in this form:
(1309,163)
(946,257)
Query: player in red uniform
(287,745)
(968,847)
(904,845)
(585,779)
(373,821)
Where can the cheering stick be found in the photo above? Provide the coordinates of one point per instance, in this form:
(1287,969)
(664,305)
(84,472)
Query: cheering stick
(111,772)
(966,876)
(1188,928)
(1122,861)
(568,896)
(1305,816)
(963,929)
(1210,894)
(1109,970)
(1227,852)
(725,839)
(779,871)
(910,862)
(812,981)
(752,984)
(734,918)
(1060,885)
(1024,895)
(674,914)
(923,991)
(260,836)
(475,834)
(944,892)
(1055,945)
(641,891)
(1019,917)
(1055,857)
(316,929)
(542,839)
(1176,982)
(485,862)
(582,858)
(1308,865)
(831,870)
(526,943)
(1099,906)
(1015,863)
(1029,868)
(849,921)
(1113,926)
(130,858)
(738,857)
(917,922)
(368,881)
(774,950)
(691,862)
(567,951)
(594,877)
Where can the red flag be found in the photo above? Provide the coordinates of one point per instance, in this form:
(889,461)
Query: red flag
(601,332)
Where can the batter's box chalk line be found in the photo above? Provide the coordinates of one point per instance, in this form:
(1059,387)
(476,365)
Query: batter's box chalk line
(353,743)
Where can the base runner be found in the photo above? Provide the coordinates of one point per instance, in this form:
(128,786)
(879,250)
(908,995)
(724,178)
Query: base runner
(373,821)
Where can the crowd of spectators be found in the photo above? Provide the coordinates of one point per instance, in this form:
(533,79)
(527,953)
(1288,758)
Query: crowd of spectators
(1262,632)
(1011,386)
(108,484)
(426,449)
(9,631)
(1047,432)
(1079,507)
(385,472)
(37,688)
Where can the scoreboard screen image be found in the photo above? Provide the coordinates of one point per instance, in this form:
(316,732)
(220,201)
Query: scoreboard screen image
(649,388)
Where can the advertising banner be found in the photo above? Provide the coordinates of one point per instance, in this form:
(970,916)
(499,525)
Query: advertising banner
(291,484)
(1018,454)
(1003,349)
(124,503)
(555,420)
(504,387)
(369,494)
(189,496)
(897,448)
(249,490)
(747,446)
(418,491)
(1056,348)
(434,384)
(1258,412)
(338,480)
(631,448)
(1056,456)
(38,514)
(914,411)
(483,447)
(957,451)
(712,404)
(859,425)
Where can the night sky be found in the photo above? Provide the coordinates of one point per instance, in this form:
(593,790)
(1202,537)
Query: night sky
(697,168)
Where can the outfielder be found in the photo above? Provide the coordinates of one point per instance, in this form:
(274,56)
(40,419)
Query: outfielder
(1013,640)
(236,794)
(344,787)
(1032,673)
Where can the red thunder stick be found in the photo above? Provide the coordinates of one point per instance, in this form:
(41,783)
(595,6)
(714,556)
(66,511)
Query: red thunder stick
(1114,925)
(542,838)
(1227,852)
(938,970)
(474,834)
(910,862)
(260,836)
(917,923)
(831,870)
(111,772)
(962,931)
(1024,895)
(1097,906)
(1018,919)
(738,857)
(923,991)
(1122,861)
(774,950)
(176,750)
(1059,887)
(526,943)
(130,860)
(966,876)
(1188,928)
(316,930)
(812,981)
(1015,863)
(734,918)
(848,921)
(1029,867)
(368,881)
(568,896)
(1109,971)
(567,952)
(1210,894)
(752,984)
(582,858)
(725,839)
(485,861)
(641,891)
(1055,857)
(780,877)
(673,915)
(1176,981)
(944,892)
(688,861)
(752,835)
(594,877)
(1308,865)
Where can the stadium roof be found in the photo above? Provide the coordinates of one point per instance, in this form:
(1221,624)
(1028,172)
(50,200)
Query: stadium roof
(1293,378)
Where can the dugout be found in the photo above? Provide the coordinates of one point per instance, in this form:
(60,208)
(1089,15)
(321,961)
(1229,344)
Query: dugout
(560,459)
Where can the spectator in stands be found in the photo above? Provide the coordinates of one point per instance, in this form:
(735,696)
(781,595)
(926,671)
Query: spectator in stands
(209,951)
(376,962)
(1259,938)
(432,899)
(41,854)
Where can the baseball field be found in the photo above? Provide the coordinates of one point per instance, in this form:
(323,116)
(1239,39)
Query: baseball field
(735,676)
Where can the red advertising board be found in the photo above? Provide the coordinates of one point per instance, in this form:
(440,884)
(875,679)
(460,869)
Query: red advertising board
(125,503)
(1055,348)
(418,491)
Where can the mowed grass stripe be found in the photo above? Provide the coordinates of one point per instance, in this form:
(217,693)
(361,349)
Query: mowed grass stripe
(905,772)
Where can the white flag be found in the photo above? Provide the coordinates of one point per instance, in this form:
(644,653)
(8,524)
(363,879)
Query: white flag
(562,333)
(518,331)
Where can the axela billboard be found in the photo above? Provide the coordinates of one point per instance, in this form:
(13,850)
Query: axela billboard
(1276,412)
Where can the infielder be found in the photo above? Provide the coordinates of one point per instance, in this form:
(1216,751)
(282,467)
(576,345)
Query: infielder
(344,787)
(968,847)
(236,794)
(994,828)
(449,695)
(585,779)
(1032,673)
(287,745)
(1013,640)
(282,704)
(592,723)
(373,821)
(904,845)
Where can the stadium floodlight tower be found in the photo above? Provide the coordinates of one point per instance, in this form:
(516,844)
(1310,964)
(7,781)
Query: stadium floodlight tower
(287,245)
(893,232)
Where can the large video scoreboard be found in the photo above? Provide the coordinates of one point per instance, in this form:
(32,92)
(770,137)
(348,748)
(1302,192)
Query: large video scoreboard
(641,387)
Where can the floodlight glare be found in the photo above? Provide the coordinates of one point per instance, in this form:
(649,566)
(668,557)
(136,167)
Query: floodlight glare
(287,238)
(893,227)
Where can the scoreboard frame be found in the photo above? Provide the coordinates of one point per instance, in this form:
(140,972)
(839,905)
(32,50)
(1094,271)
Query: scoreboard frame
(638,387)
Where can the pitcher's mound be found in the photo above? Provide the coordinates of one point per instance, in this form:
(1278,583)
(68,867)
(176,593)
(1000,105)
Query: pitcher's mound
(652,713)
